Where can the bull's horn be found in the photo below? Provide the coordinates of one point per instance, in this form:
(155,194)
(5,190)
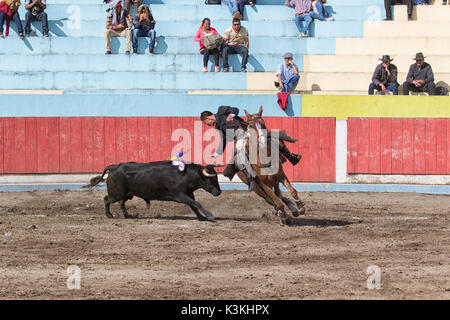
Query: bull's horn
(206,174)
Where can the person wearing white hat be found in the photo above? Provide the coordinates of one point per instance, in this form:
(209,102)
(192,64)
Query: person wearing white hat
(287,74)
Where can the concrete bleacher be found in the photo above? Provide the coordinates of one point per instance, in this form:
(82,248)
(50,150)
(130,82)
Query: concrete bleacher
(338,58)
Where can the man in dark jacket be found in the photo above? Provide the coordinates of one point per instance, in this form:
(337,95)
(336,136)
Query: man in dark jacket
(420,77)
(36,12)
(384,77)
(144,26)
(228,118)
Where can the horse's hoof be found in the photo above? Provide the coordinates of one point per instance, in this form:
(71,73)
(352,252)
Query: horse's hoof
(211,218)
(109,216)
(284,218)
(302,211)
(296,213)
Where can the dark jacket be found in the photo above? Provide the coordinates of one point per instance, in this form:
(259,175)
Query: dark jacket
(425,73)
(222,125)
(143,25)
(381,76)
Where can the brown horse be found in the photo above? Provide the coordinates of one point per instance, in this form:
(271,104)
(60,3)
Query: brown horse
(269,184)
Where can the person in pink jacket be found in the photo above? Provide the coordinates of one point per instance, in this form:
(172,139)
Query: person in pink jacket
(204,31)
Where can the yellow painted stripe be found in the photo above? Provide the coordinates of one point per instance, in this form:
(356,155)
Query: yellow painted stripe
(343,107)
(30,92)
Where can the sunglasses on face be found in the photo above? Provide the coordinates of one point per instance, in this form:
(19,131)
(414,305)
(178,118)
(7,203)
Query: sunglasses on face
(236,24)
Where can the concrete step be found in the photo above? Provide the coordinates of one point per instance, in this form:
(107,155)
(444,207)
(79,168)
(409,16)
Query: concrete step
(164,45)
(327,81)
(393,46)
(142,62)
(410,29)
(319,29)
(435,12)
(367,63)
(70,12)
(136,104)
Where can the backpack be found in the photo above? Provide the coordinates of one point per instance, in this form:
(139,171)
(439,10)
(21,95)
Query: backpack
(213,1)
(212,41)
(441,91)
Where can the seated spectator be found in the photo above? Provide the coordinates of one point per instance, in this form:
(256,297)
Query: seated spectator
(287,74)
(205,30)
(302,9)
(242,4)
(144,26)
(384,78)
(116,24)
(420,77)
(233,7)
(136,3)
(36,13)
(444,2)
(236,39)
(422,2)
(389,3)
(319,12)
(12,14)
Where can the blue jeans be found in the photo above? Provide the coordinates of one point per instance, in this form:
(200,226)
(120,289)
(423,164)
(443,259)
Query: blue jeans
(393,87)
(40,17)
(232,5)
(322,12)
(290,83)
(298,23)
(144,33)
(242,4)
(15,17)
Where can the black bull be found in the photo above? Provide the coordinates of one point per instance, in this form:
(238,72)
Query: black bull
(158,181)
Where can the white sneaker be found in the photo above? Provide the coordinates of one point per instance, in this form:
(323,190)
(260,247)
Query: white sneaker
(329,19)
(303,35)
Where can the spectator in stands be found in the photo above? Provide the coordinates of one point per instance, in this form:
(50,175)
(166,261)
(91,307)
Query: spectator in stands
(12,14)
(384,78)
(136,3)
(302,9)
(206,30)
(422,2)
(319,12)
(389,3)
(36,13)
(116,24)
(287,74)
(444,2)
(242,4)
(420,77)
(144,26)
(233,7)
(236,39)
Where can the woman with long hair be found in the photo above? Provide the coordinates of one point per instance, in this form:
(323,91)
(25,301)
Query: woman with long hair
(206,30)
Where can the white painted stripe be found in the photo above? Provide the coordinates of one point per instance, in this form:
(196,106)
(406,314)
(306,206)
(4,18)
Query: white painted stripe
(31,92)
(341,151)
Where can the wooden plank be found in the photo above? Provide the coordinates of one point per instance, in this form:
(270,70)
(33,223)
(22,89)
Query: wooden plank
(430,146)
(303,144)
(327,156)
(53,145)
(65,162)
(98,138)
(132,139)
(42,144)
(441,146)
(121,140)
(2,143)
(87,134)
(19,150)
(143,139)
(9,145)
(287,124)
(110,141)
(313,134)
(188,124)
(176,143)
(374,145)
(419,146)
(31,149)
(76,145)
(165,143)
(363,146)
(155,138)
(408,146)
(352,144)
(397,146)
(385,145)
(448,146)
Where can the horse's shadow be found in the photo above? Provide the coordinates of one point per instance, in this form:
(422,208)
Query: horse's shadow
(321,223)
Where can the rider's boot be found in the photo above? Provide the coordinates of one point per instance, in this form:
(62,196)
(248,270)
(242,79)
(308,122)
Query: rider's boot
(292,157)
(252,185)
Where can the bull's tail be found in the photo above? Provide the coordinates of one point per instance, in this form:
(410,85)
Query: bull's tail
(96,180)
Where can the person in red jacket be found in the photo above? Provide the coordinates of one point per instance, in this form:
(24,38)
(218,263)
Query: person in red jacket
(206,30)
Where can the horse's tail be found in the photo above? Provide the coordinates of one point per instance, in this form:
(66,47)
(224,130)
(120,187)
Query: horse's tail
(96,180)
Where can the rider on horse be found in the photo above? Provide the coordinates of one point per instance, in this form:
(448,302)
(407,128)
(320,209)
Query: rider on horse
(228,118)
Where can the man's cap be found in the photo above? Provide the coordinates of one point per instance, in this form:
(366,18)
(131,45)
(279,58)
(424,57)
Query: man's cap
(288,55)
(419,56)
(386,58)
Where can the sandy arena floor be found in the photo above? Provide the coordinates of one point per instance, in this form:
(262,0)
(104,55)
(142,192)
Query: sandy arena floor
(167,254)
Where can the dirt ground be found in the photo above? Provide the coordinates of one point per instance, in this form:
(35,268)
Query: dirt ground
(167,254)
